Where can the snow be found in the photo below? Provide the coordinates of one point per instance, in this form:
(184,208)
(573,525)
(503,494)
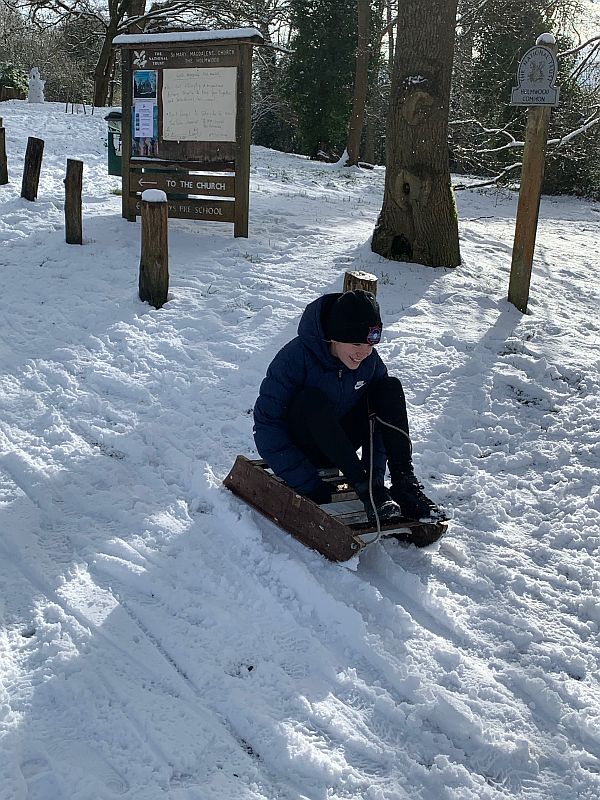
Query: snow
(546,38)
(154,196)
(158,638)
(187,36)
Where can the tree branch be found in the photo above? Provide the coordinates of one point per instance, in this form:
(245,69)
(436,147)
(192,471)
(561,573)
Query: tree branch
(489,182)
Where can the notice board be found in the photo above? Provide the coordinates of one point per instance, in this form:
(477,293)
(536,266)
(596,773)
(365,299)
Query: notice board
(186,122)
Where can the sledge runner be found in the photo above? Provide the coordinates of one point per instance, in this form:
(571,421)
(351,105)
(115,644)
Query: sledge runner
(326,394)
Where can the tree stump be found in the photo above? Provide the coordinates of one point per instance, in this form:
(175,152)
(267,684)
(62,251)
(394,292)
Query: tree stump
(154,259)
(3,161)
(33,166)
(360,280)
(73,216)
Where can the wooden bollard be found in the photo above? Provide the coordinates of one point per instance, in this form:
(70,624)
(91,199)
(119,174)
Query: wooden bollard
(3,161)
(73,215)
(360,280)
(33,166)
(154,259)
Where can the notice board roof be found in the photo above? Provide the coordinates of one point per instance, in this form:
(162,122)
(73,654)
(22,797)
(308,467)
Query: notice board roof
(237,34)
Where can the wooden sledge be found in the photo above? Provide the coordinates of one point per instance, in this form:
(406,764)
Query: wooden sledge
(339,532)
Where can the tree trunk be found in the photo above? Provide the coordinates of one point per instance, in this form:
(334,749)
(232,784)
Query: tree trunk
(357,117)
(102,70)
(389,15)
(112,69)
(136,8)
(369,146)
(418,220)
(104,66)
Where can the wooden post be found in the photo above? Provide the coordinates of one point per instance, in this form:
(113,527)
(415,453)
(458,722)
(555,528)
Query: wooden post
(154,260)
(532,176)
(3,161)
(73,184)
(243,134)
(360,280)
(128,202)
(33,166)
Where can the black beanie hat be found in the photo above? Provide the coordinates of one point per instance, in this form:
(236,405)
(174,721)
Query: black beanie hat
(354,317)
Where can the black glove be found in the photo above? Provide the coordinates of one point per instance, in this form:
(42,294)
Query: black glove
(321,494)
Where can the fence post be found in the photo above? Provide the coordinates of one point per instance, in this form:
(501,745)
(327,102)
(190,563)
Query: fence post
(154,259)
(73,215)
(33,166)
(3,161)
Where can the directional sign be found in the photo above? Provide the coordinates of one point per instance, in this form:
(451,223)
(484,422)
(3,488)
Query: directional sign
(536,75)
(184,183)
(214,210)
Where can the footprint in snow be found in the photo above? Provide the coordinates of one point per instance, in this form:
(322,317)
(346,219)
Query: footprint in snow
(83,757)
(39,777)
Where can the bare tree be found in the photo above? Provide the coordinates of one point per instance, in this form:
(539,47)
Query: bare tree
(418,219)
(112,17)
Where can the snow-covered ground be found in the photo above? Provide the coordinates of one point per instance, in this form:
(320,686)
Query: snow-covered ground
(159,639)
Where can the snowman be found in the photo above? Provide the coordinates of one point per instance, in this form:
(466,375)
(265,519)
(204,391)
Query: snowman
(36,87)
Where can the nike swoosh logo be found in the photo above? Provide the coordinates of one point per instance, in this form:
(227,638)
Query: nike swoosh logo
(359,385)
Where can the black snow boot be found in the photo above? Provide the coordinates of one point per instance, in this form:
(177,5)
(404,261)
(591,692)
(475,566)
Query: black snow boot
(386,508)
(408,493)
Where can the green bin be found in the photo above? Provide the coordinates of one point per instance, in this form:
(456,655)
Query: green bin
(115,153)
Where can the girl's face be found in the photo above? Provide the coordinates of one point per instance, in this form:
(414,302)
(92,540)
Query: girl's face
(350,355)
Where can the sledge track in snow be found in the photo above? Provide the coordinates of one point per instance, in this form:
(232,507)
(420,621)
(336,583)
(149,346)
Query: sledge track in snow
(186,691)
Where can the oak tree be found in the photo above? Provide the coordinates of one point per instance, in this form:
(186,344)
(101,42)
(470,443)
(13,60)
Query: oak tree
(418,219)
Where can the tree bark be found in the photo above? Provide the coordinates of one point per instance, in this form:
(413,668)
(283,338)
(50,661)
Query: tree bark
(361,79)
(136,8)
(418,220)
(102,70)
(391,32)
(104,66)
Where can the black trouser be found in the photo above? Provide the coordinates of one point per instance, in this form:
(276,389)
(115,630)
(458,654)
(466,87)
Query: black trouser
(328,441)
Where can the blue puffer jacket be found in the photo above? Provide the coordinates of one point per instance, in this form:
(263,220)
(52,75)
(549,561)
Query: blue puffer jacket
(307,362)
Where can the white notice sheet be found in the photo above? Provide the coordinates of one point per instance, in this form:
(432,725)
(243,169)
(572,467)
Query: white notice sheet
(199,105)
(144,119)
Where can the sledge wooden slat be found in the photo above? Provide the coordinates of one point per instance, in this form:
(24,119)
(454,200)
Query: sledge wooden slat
(405,530)
(300,517)
(336,535)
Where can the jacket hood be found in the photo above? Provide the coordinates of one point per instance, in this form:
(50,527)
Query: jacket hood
(311,332)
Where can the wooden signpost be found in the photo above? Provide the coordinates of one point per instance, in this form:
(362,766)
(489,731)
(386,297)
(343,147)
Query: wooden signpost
(536,90)
(186,122)
(3,162)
